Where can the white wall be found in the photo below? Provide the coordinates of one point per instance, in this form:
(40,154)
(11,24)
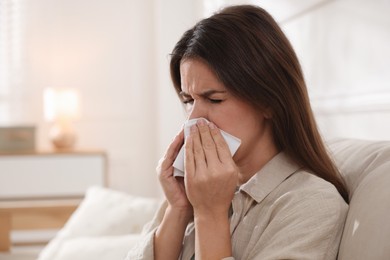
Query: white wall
(106,50)
(344,50)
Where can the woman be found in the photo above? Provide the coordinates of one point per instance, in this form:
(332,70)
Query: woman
(279,196)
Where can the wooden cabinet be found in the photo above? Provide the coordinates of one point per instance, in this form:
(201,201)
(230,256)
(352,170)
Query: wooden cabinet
(50,174)
(42,189)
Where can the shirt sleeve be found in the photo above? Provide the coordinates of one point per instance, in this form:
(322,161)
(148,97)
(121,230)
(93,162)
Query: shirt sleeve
(305,226)
(144,249)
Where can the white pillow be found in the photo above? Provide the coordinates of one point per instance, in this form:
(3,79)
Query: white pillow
(103,212)
(93,248)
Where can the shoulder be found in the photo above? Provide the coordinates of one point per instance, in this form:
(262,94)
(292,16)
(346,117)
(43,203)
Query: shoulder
(305,218)
(305,194)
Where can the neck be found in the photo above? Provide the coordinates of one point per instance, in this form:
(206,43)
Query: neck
(259,156)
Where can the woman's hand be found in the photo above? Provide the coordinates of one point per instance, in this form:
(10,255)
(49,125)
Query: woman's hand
(211,177)
(211,174)
(173,187)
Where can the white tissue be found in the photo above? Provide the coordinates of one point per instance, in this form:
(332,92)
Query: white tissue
(178,165)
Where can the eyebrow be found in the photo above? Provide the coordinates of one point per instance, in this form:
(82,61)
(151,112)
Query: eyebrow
(207,93)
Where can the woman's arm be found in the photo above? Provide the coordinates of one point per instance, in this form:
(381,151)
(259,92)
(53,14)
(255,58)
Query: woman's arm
(212,236)
(168,238)
(169,235)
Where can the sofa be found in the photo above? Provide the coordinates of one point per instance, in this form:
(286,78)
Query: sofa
(365,166)
(108,223)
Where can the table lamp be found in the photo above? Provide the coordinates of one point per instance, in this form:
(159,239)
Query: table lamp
(61,107)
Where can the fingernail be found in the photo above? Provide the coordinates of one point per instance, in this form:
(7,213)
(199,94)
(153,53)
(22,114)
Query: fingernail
(193,128)
(201,122)
(211,125)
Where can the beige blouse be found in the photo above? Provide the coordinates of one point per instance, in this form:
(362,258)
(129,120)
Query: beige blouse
(282,212)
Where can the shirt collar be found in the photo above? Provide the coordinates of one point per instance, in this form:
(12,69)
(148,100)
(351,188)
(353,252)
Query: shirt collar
(279,168)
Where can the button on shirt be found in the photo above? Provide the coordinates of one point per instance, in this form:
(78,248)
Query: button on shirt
(282,212)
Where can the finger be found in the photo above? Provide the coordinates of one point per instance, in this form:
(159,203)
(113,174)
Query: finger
(197,149)
(208,144)
(172,151)
(220,143)
(189,162)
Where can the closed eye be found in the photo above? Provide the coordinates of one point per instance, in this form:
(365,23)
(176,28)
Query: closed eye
(188,101)
(215,101)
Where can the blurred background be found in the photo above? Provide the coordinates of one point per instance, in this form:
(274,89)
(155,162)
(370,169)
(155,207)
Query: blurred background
(116,55)
(86,98)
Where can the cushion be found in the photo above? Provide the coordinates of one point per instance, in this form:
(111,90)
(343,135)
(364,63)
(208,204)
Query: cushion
(103,212)
(357,158)
(365,166)
(96,248)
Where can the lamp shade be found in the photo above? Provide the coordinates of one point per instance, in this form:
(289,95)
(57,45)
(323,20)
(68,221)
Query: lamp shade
(61,103)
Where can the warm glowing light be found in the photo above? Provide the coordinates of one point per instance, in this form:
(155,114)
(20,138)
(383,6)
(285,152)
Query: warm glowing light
(61,104)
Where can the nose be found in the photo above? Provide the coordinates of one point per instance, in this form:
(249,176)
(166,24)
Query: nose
(197,110)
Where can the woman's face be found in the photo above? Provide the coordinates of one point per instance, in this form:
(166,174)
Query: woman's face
(205,96)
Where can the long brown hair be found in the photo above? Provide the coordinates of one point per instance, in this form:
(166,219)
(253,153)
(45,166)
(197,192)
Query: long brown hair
(254,60)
